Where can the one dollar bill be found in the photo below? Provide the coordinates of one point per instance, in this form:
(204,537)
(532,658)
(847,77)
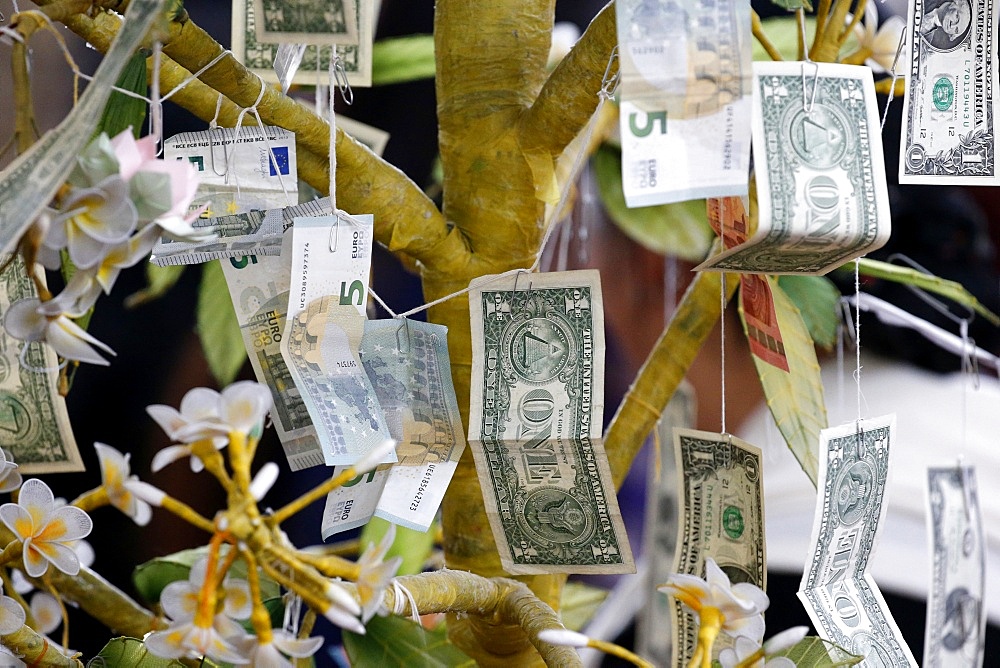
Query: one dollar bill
(685,99)
(535,423)
(956,619)
(821,188)
(949,124)
(721,516)
(34,424)
(842,599)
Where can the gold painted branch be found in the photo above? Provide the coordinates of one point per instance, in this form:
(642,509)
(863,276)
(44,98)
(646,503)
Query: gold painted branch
(35,650)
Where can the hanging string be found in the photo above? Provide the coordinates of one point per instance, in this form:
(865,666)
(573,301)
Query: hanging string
(722,337)
(332,120)
(857,331)
(895,76)
(401,596)
(382,303)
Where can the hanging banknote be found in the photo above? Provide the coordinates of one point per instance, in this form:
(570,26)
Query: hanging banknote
(843,601)
(29,183)
(685,99)
(327,304)
(821,189)
(258,54)
(34,424)
(309,21)
(535,423)
(949,123)
(408,365)
(956,619)
(259,288)
(721,516)
(728,217)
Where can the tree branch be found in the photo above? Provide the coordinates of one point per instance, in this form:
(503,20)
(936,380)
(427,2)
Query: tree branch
(569,96)
(664,369)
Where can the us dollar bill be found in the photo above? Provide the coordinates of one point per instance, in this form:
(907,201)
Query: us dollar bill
(535,423)
(721,516)
(34,423)
(331,260)
(309,21)
(258,55)
(956,623)
(28,184)
(408,365)
(685,99)
(820,174)
(949,126)
(843,601)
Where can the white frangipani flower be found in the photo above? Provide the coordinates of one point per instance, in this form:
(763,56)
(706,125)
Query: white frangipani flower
(7,658)
(92,220)
(376,573)
(883,43)
(272,654)
(746,653)
(11,614)
(10,477)
(207,414)
(191,639)
(46,530)
(740,606)
(115,473)
(46,612)
(180,598)
(34,320)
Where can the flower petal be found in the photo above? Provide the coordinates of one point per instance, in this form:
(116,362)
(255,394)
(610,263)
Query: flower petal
(23,321)
(300,648)
(168,455)
(244,405)
(74,343)
(168,418)
(59,555)
(264,480)
(45,610)
(17,520)
(11,615)
(238,604)
(66,523)
(179,600)
(200,403)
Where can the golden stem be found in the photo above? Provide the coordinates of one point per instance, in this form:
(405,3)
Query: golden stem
(859,12)
(822,12)
(240,461)
(827,45)
(882,86)
(758,33)
(315,494)
(711,621)
(35,650)
(92,500)
(187,513)
(47,581)
(330,565)
(259,618)
(12,552)
(620,652)
(858,57)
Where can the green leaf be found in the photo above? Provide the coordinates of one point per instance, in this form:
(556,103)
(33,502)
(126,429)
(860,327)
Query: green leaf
(792,5)
(218,327)
(783,32)
(124,651)
(818,653)
(678,229)
(816,297)
(413,546)
(579,604)
(151,577)
(158,281)
(401,59)
(949,289)
(394,641)
(123,111)
(795,397)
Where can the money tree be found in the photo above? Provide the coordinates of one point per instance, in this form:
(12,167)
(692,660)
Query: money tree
(505,123)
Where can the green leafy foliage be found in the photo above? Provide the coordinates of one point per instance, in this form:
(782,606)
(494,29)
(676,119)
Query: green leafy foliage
(124,111)
(819,653)
(394,641)
(158,281)
(413,546)
(816,297)
(795,397)
(792,5)
(151,577)
(579,604)
(402,59)
(218,327)
(124,651)
(783,32)
(949,289)
(679,229)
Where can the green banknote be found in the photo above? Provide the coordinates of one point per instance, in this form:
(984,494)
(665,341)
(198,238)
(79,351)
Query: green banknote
(309,21)
(536,420)
(721,516)
(821,189)
(956,614)
(34,425)
(843,601)
(949,118)
(258,55)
